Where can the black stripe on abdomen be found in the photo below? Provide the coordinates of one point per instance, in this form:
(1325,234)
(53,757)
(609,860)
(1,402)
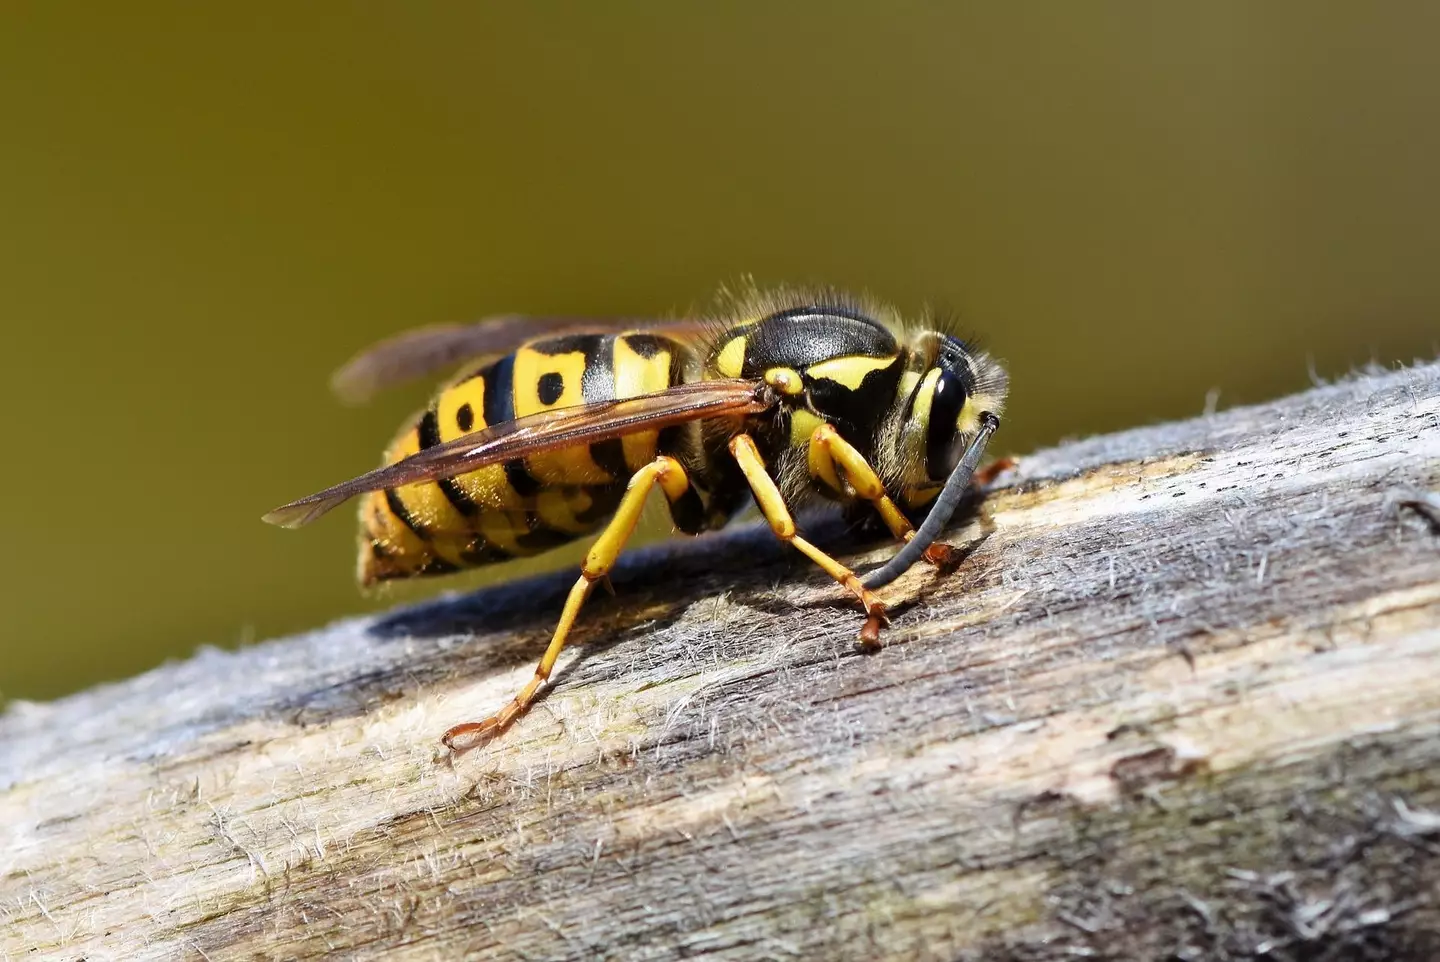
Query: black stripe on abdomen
(397,508)
(500,407)
(603,502)
(610,457)
(481,552)
(539,536)
(429,437)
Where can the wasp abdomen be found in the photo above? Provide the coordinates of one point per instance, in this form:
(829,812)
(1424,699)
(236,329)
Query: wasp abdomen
(521,507)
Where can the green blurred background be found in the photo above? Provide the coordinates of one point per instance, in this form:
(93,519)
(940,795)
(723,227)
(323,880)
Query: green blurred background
(202,211)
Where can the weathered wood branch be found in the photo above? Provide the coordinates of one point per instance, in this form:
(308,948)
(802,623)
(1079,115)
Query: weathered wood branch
(1181,701)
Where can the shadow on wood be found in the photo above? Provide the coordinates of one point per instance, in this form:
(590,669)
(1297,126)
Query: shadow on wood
(1181,703)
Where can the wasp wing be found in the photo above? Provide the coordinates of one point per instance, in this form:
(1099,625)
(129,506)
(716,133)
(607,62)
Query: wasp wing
(537,433)
(426,350)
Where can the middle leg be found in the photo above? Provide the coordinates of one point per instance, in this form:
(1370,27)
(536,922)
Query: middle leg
(772,506)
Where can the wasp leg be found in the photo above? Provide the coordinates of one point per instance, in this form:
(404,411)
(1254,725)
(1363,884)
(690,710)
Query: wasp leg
(664,471)
(828,449)
(772,505)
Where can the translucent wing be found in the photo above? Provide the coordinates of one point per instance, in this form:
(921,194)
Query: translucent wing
(427,350)
(546,431)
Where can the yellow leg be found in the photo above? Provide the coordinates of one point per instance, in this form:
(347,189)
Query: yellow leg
(772,506)
(665,471)
(828,450)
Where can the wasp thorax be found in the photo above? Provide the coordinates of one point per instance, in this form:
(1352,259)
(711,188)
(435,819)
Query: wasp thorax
(834,364)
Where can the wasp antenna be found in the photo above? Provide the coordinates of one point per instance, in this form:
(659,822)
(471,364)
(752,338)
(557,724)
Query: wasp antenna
(945,505)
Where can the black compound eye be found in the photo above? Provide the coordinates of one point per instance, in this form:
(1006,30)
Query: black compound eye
(942,452)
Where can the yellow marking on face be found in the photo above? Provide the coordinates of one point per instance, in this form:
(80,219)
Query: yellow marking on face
(920,413)
(535,372)
(786,380)
(969,420)
(802,425)
(636,374)
(731,359)
(849,371)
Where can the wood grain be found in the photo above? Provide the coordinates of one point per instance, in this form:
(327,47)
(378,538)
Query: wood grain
(1180,701)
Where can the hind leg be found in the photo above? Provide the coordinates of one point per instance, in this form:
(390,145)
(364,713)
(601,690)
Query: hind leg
(772,505)
(671,477)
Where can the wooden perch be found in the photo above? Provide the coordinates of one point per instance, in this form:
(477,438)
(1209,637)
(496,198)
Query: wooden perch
(1180,702)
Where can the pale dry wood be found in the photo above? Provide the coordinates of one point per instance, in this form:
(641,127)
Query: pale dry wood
(1181,702)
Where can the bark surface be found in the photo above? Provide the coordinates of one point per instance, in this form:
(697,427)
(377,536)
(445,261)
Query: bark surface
(1180,701)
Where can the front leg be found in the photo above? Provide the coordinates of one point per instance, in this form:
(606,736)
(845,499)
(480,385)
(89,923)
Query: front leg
(772,506)
(828,450)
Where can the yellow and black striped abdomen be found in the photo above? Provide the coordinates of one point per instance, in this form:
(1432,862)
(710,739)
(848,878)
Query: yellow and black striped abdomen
(523,507)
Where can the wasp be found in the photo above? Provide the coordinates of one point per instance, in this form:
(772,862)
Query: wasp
(559,427)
